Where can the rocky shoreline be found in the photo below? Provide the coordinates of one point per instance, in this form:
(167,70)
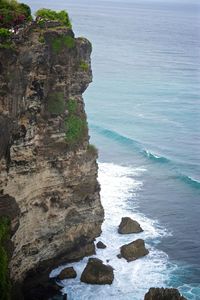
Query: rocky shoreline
(96,272)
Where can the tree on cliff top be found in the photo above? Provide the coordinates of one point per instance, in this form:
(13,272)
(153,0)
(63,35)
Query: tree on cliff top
(13,14)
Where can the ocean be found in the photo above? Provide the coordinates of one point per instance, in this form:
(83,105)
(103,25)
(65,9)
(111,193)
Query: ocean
(143,111)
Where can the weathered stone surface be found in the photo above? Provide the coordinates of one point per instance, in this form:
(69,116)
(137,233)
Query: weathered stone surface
(67,273)
(53,182)
(163,294)
(100,245)
(97,273)
(128,225)
(133,250)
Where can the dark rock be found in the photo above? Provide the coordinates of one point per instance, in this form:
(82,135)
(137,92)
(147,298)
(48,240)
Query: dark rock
(119,256)
(101,245)
(128,225)
(133,250)
(43,291)
(163,294)
(67,273)
(97,273)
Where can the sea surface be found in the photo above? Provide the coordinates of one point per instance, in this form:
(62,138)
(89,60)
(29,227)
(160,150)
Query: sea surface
(143,110)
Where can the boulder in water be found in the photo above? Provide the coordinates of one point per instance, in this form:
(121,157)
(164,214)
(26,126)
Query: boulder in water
(101,245)
(128,225)
(134,250)
(163,294)
(67,273)
(97,273)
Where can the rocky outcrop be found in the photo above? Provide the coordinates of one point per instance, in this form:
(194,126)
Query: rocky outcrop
(97,273)
(133,250)
(128,225)
(100,245)
(163,294)
(46,162)
(67,273)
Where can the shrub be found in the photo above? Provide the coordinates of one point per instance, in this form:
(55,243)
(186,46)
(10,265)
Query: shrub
(84,66)
(13,13)
(75,125)
(62,41)
(5,38)
(56,103)
(75,129)
(51,15)
(5,34)
(4,275)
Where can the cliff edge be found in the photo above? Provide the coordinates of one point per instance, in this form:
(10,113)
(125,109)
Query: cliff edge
(47,165)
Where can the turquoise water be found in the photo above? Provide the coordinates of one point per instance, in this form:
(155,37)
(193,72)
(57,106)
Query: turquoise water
(144,116)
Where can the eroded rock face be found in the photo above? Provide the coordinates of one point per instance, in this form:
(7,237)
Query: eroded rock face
(163,294)
(128,225)
(133,250)
(45,164)
(97,273)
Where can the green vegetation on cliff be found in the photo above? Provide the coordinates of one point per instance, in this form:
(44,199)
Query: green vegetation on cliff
(13,14)
(75,125)
(4,276)
(84,66)
(5,38)
(56,104)
(62,41)
(62,16)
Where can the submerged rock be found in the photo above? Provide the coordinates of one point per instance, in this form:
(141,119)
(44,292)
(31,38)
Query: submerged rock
(133,250)
(97,273)
(67,273)
(100,245)
(128,225)
(163,294)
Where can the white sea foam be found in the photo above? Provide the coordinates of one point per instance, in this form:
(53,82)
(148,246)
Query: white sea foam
(119,188)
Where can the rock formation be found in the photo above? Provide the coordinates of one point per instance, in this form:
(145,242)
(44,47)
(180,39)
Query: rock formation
(133,250)
(46,163)
(97,273)
(163,294)
(67,273)
(128,225)
(100,245)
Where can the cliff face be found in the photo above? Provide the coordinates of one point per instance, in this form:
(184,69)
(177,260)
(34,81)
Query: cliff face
(47,164)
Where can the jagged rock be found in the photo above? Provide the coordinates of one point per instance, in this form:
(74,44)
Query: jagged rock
(67,273)
(100,245)
(163,294)
(133,250)
(97,273)
(128,225)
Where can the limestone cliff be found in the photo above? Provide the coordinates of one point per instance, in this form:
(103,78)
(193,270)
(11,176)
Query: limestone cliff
(47,164)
